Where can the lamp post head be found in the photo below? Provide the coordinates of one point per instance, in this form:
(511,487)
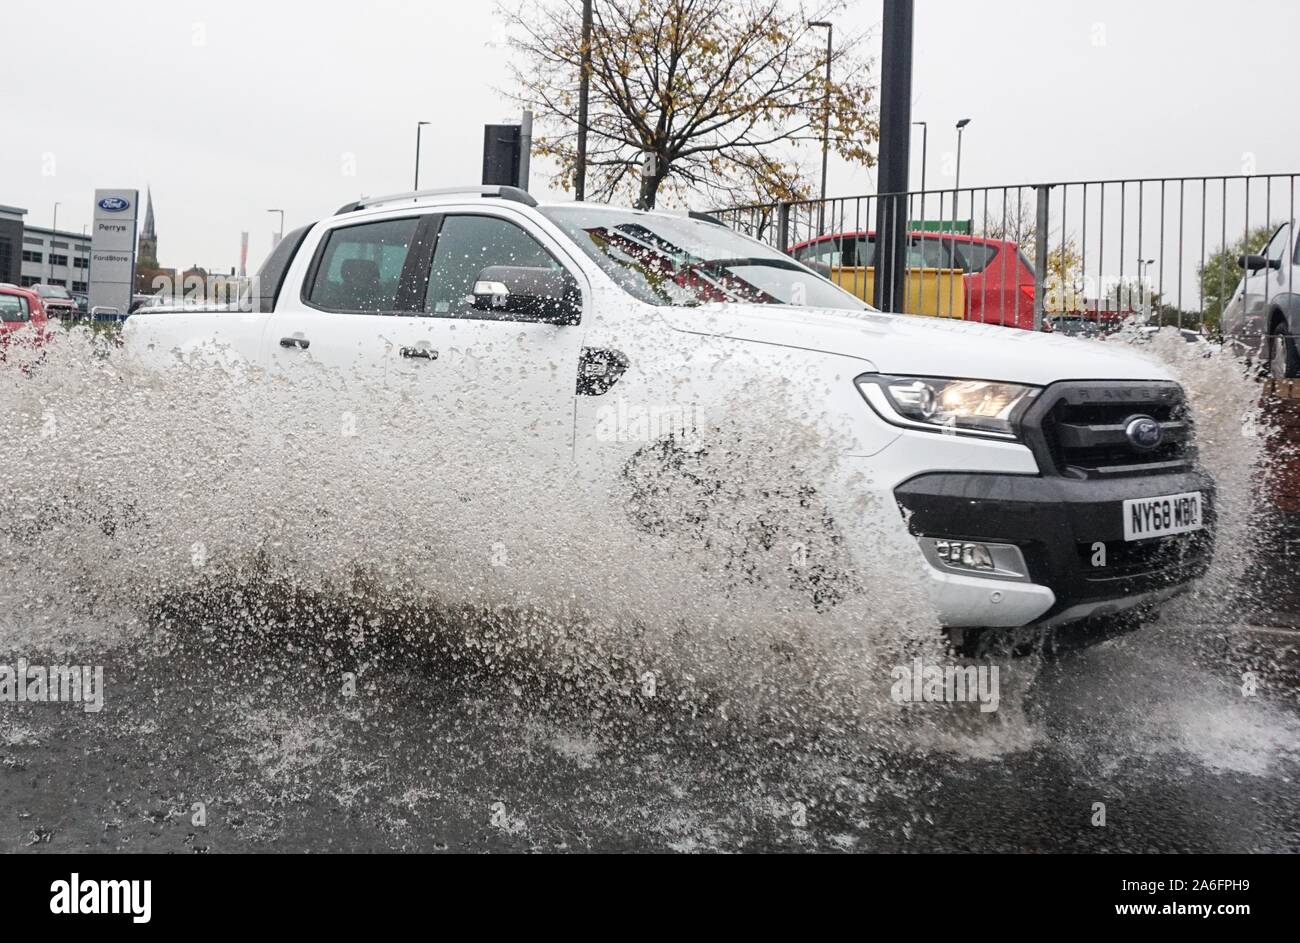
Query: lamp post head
(821,24)
(962,123)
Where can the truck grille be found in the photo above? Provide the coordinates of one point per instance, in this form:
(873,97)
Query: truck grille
(1079,429)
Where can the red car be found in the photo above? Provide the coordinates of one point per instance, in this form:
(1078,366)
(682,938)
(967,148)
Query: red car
(998,279)
(21,310)
(20,307)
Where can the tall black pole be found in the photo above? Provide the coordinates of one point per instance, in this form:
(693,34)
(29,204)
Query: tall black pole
(895,137)
(584,84)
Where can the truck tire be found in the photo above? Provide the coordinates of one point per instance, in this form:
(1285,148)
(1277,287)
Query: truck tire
(1283,360)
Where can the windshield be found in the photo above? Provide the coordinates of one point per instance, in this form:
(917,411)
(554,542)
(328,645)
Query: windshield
(52,291)
(668,260)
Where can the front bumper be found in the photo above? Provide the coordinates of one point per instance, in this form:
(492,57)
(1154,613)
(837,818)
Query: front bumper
(1063,527)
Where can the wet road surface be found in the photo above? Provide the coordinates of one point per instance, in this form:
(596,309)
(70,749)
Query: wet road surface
(438,754)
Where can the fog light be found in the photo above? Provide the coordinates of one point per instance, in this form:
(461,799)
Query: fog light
(999,561)
(972,556)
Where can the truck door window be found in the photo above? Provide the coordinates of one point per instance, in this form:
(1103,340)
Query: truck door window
(1276,251)
(468,244)
(360,267)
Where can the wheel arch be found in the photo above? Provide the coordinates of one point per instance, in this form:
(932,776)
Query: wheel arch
(1285,307)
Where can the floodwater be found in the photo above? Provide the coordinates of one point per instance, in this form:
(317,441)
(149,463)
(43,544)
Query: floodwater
(322,627)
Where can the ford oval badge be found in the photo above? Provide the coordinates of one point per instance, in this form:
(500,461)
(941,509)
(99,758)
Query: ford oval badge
(1144,432)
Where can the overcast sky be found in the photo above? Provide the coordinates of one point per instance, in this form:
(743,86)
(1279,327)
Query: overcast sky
(227,109)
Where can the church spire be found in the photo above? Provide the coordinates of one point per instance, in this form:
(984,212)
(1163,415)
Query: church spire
(147,251)
(148,231)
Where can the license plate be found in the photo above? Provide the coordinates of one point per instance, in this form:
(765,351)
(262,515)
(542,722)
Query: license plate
(1162,516)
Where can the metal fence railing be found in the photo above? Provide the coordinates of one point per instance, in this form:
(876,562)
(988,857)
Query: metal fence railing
(1075,253)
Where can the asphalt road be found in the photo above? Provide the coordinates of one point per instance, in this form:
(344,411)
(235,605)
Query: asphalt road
(438,752)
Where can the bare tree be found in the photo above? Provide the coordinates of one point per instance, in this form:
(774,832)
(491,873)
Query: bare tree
(717,97)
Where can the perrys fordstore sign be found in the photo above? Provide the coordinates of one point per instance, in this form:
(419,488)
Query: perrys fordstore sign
(112,249)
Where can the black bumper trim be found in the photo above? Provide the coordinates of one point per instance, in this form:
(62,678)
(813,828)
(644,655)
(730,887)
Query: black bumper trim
(1061,524)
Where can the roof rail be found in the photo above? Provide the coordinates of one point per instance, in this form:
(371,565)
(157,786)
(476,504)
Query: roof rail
(514,194)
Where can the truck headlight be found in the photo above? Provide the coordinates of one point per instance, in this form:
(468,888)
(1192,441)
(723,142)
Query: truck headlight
(939,404)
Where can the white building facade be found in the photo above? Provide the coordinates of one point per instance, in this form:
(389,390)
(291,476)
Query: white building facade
(55,257)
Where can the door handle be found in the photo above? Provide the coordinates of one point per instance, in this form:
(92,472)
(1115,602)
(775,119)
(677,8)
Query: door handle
(298,341)
(423,353)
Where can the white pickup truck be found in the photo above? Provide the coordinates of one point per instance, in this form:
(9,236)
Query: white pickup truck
(1045,482)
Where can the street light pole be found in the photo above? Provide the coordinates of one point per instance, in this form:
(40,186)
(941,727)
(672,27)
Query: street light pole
(525,148)
(1142,285)
(85,260)
(925,139)
(826,117)
(961,126)
(54,231)
(419,126)
(280,235)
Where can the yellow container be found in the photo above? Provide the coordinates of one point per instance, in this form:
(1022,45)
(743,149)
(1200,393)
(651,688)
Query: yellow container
(934,292)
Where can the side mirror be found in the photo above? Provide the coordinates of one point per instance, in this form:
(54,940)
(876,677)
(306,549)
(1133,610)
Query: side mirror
(1253,263)
(517,292)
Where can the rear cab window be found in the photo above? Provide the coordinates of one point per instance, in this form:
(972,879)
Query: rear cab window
(359,268)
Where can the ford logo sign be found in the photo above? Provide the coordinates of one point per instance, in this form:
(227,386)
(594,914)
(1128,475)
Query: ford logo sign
(114,204)
(1144,432)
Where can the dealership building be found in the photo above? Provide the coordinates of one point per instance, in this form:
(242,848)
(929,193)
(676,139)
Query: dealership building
(55,257)
(31,255)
